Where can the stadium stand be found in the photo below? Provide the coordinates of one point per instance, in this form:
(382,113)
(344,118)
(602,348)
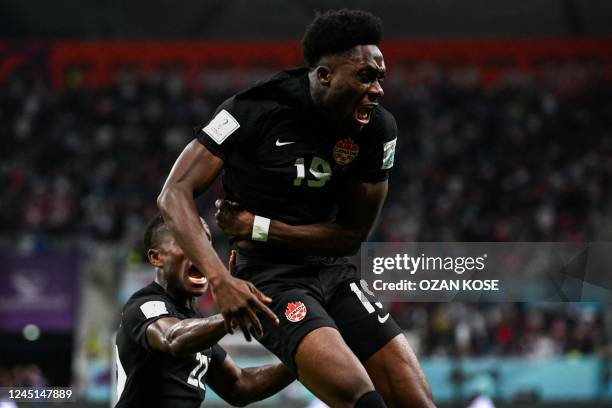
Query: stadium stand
(499,141)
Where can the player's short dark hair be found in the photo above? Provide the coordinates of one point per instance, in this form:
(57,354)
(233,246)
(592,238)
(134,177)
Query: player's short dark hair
(154,231)
(337,31)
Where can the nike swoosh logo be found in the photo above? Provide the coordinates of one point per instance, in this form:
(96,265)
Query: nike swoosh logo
(381,320)
(279,143)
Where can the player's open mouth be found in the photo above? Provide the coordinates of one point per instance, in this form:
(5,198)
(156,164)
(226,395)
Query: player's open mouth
(196,276)
(363,114)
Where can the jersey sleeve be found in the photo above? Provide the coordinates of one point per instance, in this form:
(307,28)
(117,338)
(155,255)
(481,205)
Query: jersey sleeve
(379,152)
(231,128)
(217,356)
(140,314)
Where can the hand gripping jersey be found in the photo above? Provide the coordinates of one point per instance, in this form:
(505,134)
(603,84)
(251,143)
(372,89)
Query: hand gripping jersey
(148,378)
(283,160)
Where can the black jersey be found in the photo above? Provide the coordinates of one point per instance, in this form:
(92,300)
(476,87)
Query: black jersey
(283,160)
(147,378)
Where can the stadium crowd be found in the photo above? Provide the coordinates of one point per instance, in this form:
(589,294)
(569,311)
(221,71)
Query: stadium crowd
(22,376)
(525,158)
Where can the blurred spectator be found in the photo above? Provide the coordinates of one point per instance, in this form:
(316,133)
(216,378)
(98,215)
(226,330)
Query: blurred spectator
(22,376)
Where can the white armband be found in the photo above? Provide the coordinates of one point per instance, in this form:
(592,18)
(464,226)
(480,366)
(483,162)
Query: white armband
(261,226)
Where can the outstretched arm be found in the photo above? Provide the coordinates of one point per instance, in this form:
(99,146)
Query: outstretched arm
(359,207)
(237,300)
(241,386)
(181,337)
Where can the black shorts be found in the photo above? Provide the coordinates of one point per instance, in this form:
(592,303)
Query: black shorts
(312,292)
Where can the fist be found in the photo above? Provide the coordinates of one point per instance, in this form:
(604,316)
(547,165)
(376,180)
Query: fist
(234,220)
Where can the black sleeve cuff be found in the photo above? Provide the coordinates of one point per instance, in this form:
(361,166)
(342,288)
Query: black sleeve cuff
(211,145)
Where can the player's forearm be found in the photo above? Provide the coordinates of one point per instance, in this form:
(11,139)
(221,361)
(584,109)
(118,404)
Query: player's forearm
(257,383)
(356,216)
(193,335)
(178,208)
(317,239)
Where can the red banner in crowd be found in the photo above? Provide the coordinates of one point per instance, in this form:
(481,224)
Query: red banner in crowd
(97,62)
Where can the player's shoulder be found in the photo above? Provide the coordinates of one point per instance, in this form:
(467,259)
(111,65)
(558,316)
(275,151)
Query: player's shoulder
(286,87)
(152,292)
(384,119)
(284,90)
(383,124)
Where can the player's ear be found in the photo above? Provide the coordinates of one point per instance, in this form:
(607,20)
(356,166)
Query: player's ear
(154,257)
(324,75)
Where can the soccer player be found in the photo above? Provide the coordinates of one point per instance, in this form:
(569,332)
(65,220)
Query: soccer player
(167,351)
(305,158)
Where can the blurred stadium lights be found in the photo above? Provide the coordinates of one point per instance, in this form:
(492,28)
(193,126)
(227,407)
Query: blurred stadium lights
(235,19)
(31,332)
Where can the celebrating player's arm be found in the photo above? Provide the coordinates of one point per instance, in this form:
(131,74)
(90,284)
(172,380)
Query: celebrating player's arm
(238,301)
(241,386)
(238,386)
(181,337)
(359,207)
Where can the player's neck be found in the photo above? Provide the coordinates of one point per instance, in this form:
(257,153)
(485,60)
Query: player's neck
(178,298)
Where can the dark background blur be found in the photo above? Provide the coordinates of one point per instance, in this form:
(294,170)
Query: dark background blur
(273,19)
(505,134)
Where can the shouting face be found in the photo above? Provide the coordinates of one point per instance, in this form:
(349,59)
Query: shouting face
(176,273)
(351,85)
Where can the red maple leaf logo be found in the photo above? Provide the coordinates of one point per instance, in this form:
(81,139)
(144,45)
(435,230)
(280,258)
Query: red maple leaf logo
(345,151)
(295,311)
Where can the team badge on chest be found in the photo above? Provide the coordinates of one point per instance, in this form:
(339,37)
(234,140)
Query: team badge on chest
(345,151)
(295,311)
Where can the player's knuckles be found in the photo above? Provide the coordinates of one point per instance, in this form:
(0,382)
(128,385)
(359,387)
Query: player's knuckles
(236,314)
(228,317)
(253,288)
(223,220)
(220,218)
(246,308)
(252,303)
(225,206)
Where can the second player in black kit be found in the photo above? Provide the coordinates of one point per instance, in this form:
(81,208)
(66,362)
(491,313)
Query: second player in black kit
(167,352)
(151,378)
(304,158)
